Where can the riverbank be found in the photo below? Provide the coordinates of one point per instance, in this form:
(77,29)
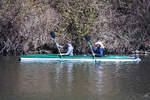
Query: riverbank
(25,26)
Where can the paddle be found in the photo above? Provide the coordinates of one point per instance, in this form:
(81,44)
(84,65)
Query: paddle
(88,39)
(53,36)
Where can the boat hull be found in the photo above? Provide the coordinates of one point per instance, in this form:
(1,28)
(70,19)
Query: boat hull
(52,57)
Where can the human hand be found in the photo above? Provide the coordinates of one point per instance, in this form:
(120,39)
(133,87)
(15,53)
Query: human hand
(61,54)
(57,44)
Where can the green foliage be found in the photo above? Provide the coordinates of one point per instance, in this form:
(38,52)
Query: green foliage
(58,1)
(33,19)
(77,17)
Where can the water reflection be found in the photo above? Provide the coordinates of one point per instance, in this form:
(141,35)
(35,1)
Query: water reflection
(74,81)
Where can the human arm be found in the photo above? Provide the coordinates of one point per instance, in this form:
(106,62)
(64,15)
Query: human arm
(94,50)
(69,51)
(59,45)
(101,50)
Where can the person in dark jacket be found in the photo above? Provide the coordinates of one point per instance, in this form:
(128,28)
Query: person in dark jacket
(99,50)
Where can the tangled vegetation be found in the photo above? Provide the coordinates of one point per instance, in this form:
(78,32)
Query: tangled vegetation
(122,25)
(77,19)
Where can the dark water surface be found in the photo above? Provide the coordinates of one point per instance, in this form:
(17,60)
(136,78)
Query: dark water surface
(74,81)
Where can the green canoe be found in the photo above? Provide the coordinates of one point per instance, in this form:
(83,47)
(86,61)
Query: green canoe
(56,57)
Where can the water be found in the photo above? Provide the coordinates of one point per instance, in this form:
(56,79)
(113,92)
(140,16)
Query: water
(74,81)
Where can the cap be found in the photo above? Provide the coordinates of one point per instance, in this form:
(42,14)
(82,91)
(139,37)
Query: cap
(100,43)
(68,41)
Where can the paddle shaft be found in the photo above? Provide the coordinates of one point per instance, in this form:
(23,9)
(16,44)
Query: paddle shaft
(88,39)
(57,47)
(91,50)
(53,36)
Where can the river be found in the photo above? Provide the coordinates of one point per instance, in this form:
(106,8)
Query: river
(74,81)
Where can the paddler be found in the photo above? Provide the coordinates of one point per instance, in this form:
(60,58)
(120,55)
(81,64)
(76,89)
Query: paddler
(99,50)
(68,47)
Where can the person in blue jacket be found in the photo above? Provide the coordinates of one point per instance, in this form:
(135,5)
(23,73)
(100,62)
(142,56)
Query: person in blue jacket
(99,50)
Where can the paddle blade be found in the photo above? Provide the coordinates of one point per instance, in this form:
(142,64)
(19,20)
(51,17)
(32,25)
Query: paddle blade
(52,34)
(87,37)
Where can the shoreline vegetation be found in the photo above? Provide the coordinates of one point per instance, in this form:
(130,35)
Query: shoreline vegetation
(122,25)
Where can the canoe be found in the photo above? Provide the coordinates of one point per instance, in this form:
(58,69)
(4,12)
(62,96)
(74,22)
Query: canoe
(55,57)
